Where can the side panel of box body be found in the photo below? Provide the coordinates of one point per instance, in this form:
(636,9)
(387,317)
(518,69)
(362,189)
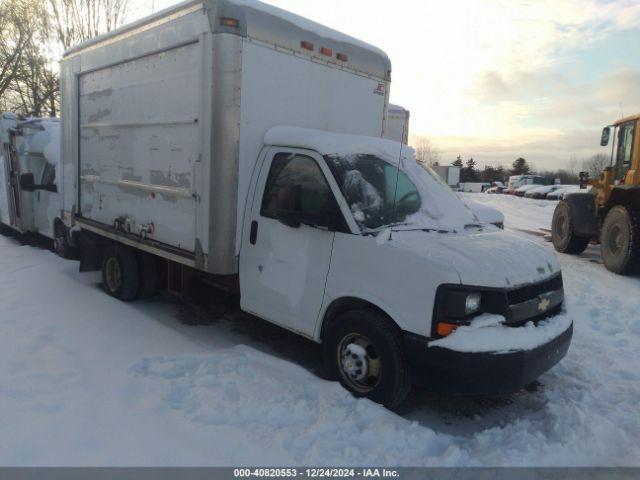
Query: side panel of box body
(138,131)
(139,144)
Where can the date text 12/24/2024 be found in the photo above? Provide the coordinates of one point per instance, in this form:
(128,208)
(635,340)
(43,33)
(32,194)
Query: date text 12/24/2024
(315,473)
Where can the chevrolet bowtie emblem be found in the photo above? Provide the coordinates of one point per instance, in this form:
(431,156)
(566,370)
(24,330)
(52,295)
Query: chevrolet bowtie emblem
(544,304)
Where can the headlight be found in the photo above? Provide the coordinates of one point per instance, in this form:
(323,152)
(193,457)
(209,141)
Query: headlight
(472,303)
(455,306)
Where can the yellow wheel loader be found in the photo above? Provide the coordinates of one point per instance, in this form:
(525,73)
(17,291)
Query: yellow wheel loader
(609,212)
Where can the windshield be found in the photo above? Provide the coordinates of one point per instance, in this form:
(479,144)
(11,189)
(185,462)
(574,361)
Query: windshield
(381,195)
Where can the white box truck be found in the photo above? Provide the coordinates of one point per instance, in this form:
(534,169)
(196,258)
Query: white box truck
(397,124)
(449,173)
(202,138)
(30,190)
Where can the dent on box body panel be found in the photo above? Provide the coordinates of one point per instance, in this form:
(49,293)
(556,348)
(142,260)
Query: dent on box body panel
(139,143)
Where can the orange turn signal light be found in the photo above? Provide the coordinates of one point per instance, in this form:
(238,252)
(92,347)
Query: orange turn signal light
(446,329)
(229,22)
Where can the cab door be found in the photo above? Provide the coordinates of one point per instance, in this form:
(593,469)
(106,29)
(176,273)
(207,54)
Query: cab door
(624,154)
(11,179)
(288,239)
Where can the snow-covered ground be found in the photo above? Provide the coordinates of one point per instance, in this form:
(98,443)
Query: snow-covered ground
(88,380)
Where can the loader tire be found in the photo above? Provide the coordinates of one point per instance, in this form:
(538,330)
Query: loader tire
(563,235)
(620,240)
(365,351)
(120,273)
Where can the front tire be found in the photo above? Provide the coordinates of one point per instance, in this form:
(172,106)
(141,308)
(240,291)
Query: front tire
(120,273)
(620,240)
(563,235)
(365,351)
(61,244)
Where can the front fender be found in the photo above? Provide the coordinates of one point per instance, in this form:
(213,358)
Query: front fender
(583,213)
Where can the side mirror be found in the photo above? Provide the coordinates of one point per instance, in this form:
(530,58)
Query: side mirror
(27,182)
(288,210)
(584,179)
(606,135)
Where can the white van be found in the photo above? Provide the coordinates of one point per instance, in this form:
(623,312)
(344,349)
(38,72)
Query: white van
(178,129)
(30,196)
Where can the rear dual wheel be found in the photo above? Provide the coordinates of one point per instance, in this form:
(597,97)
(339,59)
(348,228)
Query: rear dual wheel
(129,275)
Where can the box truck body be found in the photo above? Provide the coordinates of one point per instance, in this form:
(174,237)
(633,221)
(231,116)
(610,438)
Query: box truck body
(450,174)
(164,119)
(397,124)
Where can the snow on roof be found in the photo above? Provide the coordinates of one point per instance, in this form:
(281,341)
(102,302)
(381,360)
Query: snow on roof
(266,23)
(441,208)
(396,108)
(340,144)
(305,24)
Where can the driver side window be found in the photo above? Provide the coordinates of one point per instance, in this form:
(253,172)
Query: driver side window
(293,171)
(625,149)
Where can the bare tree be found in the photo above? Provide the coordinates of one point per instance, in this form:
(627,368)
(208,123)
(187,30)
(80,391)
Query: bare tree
(36,85)
(75,21)
(28,30)
(18,28)
(426,152)
(596,164)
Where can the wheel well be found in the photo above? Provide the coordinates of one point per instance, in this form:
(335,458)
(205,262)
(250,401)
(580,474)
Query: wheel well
(341,305)
(57,223)
(625,196)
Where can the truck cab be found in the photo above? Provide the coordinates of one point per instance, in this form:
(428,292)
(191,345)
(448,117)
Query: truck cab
(349,242)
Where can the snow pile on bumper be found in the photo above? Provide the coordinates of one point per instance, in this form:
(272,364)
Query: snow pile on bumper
(487,333)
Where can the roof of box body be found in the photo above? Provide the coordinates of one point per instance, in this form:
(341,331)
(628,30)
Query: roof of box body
(271,25)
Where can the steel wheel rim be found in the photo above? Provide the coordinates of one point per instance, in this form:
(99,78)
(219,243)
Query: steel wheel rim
(561,226)
(359,362)
(614,240)
(113,274)
(58,244)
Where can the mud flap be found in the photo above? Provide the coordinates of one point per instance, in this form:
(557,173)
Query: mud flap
(583,214)
(91,247)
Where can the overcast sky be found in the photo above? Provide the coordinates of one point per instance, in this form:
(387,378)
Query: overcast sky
(499,79)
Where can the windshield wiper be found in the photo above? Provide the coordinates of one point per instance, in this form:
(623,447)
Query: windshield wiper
(426,229)
(376,231)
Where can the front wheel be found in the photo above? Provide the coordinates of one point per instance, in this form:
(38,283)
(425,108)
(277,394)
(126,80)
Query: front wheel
(563,235)
(61,244)
(620,240)
(365,351)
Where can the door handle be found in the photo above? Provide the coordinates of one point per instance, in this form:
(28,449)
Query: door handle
(253,235)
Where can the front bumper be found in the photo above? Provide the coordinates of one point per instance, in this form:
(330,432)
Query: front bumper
(448,371)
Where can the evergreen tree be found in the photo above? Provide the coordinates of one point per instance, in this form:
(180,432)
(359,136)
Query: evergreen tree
(469,173)
(520,167)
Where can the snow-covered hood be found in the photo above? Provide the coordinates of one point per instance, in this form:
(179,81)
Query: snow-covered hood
(493,258)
